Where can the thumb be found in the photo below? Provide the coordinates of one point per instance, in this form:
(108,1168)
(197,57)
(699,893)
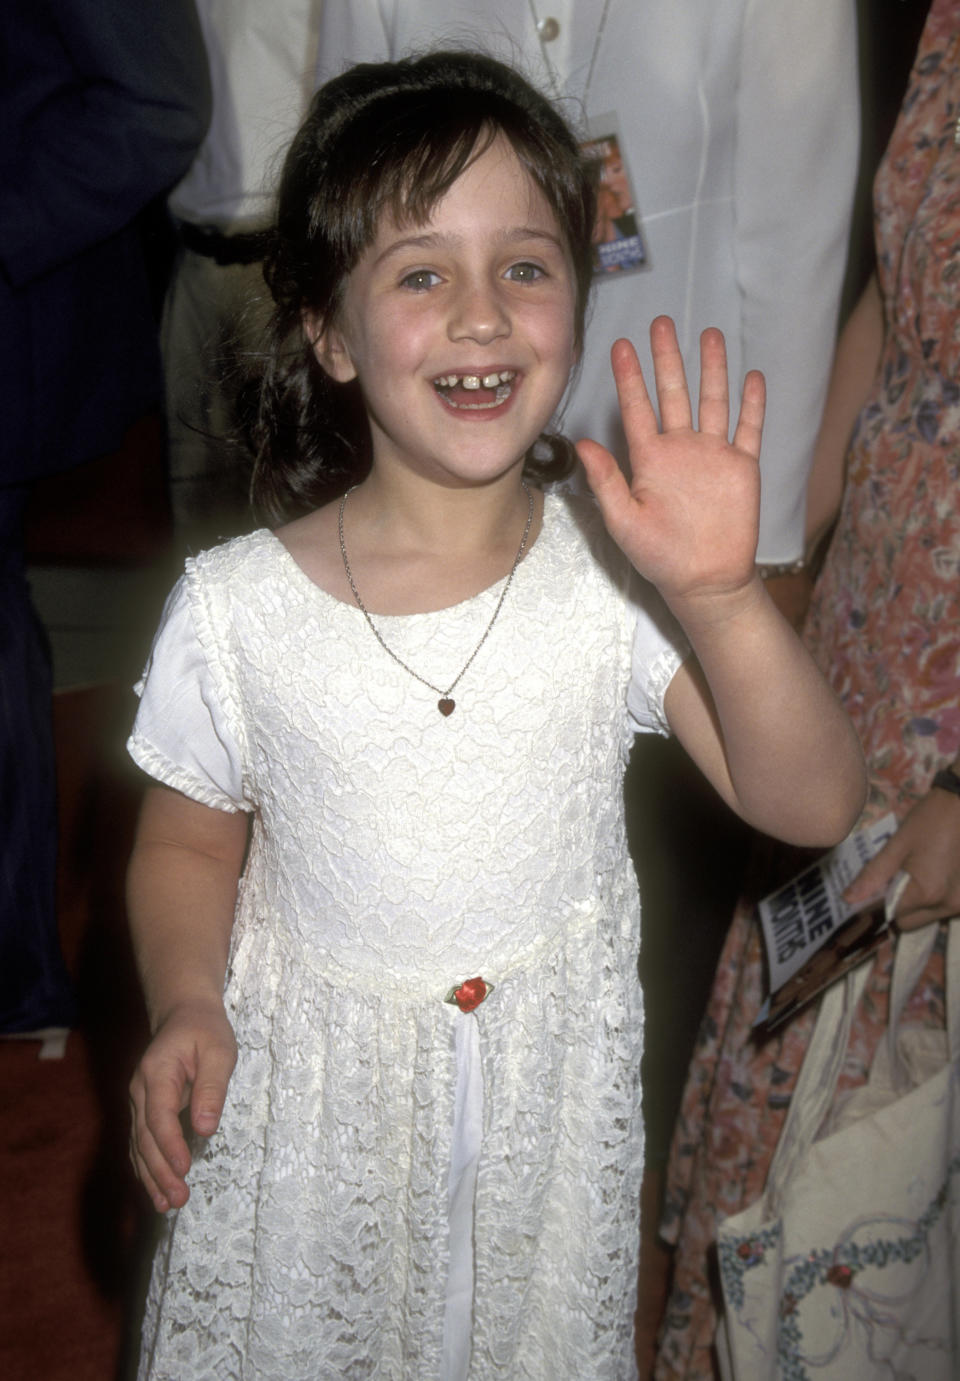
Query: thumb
(872,881)
(609,486)
(604,475)
(210,1089)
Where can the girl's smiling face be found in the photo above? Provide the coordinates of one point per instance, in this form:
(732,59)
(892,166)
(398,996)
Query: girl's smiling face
(461,331)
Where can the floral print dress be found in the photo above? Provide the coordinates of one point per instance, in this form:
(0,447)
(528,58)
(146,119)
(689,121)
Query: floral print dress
(885,626)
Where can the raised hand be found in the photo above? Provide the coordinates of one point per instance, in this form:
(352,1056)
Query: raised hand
(688,517)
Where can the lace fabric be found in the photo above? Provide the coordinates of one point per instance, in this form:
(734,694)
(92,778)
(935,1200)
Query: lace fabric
(394,854)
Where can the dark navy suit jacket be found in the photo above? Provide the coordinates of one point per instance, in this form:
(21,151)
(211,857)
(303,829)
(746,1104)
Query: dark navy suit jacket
(102,106)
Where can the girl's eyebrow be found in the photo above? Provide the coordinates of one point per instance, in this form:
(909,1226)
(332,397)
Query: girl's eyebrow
(434,240)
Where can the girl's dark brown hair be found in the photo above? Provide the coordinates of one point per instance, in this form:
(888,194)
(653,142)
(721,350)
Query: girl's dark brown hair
(386,137)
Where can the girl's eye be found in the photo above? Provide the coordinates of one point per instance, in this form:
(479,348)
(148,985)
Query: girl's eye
(524,273)
(420,280)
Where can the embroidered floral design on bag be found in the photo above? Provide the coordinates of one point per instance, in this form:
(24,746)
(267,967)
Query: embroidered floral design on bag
(837,1269)
(750,1252)
(841,1276)
(738,1255)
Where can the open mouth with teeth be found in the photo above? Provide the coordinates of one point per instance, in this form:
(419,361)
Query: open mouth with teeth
(476,392)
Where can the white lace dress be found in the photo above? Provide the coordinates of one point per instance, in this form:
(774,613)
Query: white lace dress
(399,1189)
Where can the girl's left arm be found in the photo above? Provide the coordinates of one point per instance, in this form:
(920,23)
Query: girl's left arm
(755,714)
(752,710)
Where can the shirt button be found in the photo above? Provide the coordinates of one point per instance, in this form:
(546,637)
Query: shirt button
(548,29)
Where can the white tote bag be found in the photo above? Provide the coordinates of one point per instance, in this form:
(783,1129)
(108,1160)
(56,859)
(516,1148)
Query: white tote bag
(848,1266)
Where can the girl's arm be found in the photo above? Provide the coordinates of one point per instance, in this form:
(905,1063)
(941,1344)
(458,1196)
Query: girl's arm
(754,711)
(181,891)
(854,369)
(755,714)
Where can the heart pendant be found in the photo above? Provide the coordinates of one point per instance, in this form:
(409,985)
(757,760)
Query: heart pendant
(445,705)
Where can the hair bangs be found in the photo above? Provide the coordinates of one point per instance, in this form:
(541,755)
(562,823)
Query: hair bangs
(399,167)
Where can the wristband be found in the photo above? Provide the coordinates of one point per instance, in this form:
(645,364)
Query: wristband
(947,780)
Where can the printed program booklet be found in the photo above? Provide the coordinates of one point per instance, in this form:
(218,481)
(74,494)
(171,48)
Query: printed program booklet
(810,934)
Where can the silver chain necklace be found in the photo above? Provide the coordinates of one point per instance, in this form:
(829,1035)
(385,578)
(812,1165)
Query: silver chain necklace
(446,705)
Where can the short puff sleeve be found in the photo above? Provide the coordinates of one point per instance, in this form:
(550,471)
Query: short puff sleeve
(186,734)
(659,649)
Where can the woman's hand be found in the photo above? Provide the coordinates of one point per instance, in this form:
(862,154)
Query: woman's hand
(187,1065)
(927,846)
(688,518)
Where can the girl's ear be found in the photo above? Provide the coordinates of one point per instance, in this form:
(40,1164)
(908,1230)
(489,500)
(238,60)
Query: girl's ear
(330,349)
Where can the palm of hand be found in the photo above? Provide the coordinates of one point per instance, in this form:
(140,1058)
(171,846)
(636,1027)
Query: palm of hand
(688,518)
(690,522)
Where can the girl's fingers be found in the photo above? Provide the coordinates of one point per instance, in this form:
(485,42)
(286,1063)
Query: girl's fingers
(144,1176)
(636,410)
(672,394)
(753,403)
(166,1189)
(163,1131)
(714,404)
(157,1197)
(160,1149)
(165,1186)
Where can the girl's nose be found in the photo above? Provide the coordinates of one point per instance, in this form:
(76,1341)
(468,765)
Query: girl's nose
(479,313)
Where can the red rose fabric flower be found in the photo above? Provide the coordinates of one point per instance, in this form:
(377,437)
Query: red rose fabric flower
(469,994)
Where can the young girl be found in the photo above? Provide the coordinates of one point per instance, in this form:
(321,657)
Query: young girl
(421,694)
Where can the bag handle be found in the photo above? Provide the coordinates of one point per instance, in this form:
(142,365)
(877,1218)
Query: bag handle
(953,989)
(817,1082)
(914,948)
